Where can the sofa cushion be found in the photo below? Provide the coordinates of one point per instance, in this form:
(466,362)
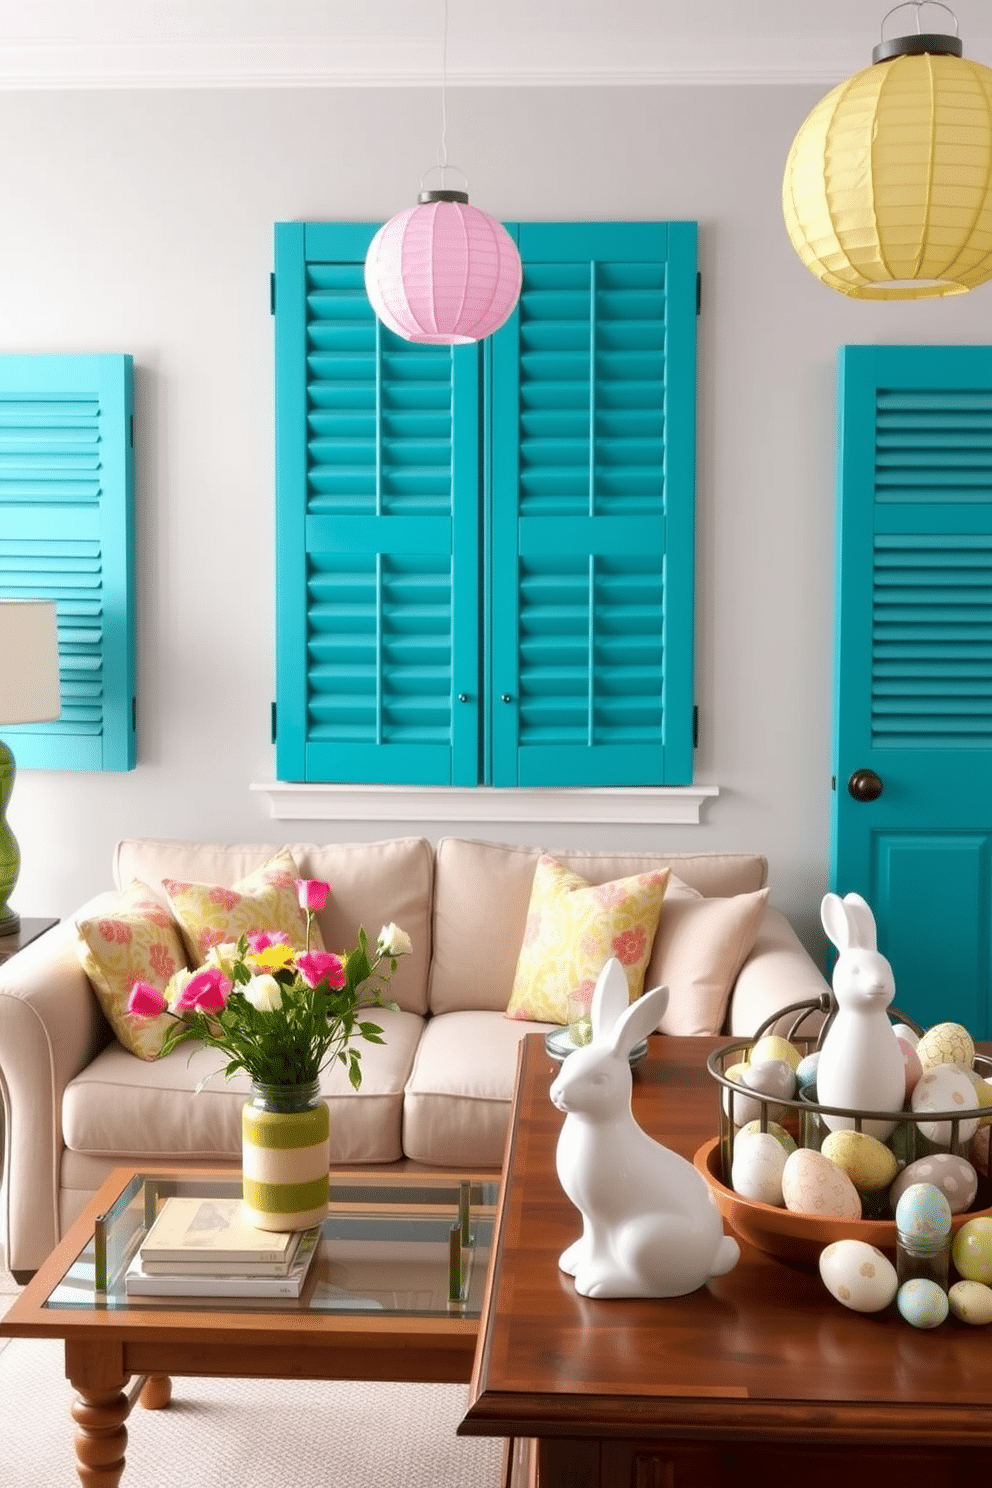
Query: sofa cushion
(136,1111)
(482,892)
(457,1105)
(700,947)
(211,914)
(132,938)
(573,928)
(372,883)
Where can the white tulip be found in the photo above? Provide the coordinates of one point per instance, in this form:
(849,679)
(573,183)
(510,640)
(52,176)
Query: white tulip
(175,986)
(264,993)
(393,941)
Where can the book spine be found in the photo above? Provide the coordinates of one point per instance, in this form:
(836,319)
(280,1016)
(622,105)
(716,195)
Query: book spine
(142,1284)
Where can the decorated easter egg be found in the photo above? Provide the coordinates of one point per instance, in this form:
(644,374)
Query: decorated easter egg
(812,1184)
(912,1065)
(983,1096)
(806,1070)
(954,1176)
(923,1213)
(771,1046)
(903,1031)
(867,1162)
(858,1275)
(945,1087)
(780,1134)
(971,1250)
(922,1302)
(978,1149)
(946,1043)
(770,1078)
(971,1302)
(756,1171)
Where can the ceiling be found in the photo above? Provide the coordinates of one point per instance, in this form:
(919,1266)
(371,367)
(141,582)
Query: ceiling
(321,43)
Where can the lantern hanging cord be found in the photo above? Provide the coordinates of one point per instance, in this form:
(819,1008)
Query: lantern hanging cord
(442,151)
(916,5)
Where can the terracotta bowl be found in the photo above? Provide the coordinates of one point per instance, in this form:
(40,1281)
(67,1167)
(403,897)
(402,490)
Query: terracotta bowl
(799,1238)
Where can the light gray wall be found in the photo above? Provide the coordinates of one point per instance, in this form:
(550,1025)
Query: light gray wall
(142,222)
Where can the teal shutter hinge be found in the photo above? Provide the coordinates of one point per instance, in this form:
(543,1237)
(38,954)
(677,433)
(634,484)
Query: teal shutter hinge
(272,294)
(699,293)
(273,723)
(134,713)
(130,431)
(695,726)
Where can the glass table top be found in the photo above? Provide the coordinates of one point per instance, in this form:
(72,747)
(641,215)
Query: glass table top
(414,1245)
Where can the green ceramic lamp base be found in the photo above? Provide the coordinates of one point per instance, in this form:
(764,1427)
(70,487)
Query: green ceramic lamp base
(10,857)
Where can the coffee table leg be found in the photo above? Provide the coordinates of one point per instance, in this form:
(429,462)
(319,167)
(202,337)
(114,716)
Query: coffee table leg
(101,1436)
(156,1392)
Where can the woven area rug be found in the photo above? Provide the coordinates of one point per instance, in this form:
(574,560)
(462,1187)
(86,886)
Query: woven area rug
(255,1433)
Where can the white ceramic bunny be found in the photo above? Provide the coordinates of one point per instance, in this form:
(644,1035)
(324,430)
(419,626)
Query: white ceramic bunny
(861,1064)
(650,1227)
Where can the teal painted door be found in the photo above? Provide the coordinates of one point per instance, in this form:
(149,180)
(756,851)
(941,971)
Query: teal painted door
(913,678)
(592,498)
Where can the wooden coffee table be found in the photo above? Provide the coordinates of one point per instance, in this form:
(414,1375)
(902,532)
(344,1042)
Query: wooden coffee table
(760,1377)
(377,1304)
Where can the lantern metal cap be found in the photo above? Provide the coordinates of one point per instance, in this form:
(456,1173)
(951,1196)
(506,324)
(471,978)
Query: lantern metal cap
(442,196)
(934,43)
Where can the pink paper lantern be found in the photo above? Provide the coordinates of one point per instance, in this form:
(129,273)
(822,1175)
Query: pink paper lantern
(443,271)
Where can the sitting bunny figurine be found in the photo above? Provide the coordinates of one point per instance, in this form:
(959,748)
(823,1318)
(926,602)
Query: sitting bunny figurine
(650,1226)
(861,1065)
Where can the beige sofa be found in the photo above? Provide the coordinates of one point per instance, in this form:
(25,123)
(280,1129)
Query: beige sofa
(437,1092)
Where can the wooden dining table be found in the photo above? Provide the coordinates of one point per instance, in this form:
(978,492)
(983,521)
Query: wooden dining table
(758,1377)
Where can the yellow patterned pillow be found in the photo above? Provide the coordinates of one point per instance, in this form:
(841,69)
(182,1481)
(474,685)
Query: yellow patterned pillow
(573,928)
(266,899)
(134,940)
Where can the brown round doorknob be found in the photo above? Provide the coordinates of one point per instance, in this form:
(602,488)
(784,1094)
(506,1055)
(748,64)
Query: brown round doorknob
(865,785)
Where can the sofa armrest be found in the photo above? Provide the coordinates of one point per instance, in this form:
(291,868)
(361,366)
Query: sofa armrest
(779,971)
(51,1027)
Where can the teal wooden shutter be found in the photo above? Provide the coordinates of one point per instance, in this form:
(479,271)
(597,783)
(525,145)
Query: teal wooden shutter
(377,620)
(67,534)
(913,680)
(593,467)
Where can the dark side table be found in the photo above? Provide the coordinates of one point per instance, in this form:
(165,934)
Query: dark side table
(29,930)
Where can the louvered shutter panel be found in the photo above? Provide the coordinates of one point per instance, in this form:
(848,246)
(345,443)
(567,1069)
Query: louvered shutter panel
(916,440)
(378,567)
(593,463)
(66,534)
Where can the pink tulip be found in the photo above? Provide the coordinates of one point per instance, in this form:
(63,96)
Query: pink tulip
(207,992)
(313,894)
(146,1001)
(261,940)
(321,966)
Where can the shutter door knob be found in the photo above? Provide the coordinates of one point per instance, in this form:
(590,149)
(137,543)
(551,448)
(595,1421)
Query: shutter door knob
(865,785)
(505,697)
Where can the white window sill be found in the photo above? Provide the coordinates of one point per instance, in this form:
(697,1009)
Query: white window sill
(647,805)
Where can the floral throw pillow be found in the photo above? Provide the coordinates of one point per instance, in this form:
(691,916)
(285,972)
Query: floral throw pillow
(134,939)
(266,899)
(573,928)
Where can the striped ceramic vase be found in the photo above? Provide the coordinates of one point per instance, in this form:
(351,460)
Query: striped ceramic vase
(285,1141)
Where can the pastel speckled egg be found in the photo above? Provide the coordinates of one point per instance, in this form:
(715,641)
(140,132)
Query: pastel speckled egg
(971,1302)
(903,1031)
(786,1139)
(945,1087)
(971,1250)
(946,1043)
(756,1171)
(954,1176)
(770,1078)
(911,1064)
(812,1184)
(922,1302)
(774,1047)
(806,1070)
(983,1095)
(867,1162)
(923,1212)
(858,1275)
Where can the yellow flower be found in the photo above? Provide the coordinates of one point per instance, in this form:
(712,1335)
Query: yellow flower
(273,958)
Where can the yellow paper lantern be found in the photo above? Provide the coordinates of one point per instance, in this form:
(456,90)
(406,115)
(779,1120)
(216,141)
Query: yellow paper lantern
(888,186)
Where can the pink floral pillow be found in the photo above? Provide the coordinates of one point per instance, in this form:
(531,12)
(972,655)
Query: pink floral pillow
(573,928)
(134,940)
(267,899)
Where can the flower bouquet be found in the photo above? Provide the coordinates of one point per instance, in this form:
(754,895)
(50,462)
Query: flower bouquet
(279,1014)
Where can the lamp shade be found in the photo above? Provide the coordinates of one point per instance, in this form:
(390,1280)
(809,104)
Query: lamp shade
(442,271)
(29,661)
(888,185)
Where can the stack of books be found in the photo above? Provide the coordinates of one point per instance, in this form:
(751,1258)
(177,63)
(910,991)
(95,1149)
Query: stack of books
(206,1248)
